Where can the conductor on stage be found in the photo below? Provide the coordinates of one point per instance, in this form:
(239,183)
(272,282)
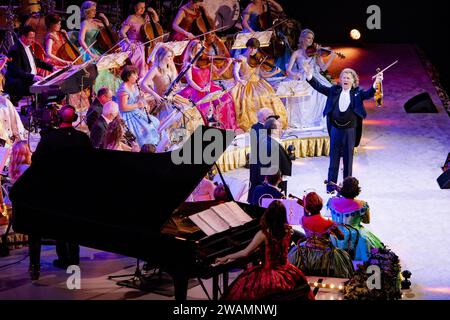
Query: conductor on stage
(345,112)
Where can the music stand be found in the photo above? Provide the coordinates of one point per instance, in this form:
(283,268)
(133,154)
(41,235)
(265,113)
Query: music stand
(242,38)
(176,46)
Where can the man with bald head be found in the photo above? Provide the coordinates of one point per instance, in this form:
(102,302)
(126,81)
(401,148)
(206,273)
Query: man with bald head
(109,113)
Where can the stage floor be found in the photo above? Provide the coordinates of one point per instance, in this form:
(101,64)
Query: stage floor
(397,164)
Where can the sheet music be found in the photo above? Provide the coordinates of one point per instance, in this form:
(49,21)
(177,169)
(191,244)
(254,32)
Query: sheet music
(242,38)
(220,218)
(213,220)
(238,213)
(294,211)
(112,60)
(199,222)
(176,46)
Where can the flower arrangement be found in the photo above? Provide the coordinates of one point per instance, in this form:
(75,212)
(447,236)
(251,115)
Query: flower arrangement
(357,287)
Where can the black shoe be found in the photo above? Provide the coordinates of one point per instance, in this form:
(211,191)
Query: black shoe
(61,264)
(35,271)
(330,190)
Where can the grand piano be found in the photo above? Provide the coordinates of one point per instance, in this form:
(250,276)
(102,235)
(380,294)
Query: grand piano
(132,204)
(70,79)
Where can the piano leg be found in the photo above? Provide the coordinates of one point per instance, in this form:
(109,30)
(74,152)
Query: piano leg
(225,282)
(215,287)
(180,283)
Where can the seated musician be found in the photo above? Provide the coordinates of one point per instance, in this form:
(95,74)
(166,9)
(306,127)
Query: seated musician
(276,275)
(158,79)
(54,40)
(184,24)
(90,29)
(251,14)
(114,137)
(133,110)
(104,95)
(317,255)
(200,84)
(109,113)
(21,71)
(11,126)
(131,33)
(251,92)
(269,189)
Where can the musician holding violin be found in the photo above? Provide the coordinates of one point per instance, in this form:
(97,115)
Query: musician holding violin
(306,112)
(251,92)
(200,84)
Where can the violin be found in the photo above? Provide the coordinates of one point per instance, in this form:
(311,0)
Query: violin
(313,51)
(299,200)
(149,31)
(378,97)
(68,51)
(266,63)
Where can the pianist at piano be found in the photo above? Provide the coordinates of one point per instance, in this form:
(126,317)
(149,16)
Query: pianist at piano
(21,72)
(276,274)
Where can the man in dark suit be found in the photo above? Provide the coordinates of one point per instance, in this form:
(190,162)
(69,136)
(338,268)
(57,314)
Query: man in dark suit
(345,112)
(268,189)
(52,142)
(104,95)
(262,116)
(268,156)
(109,113)
(22,69)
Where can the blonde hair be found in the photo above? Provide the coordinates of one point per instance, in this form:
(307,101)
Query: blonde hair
(21,154)
(354,75)
(161,53)
(303,35)
(85,7)
(2,82)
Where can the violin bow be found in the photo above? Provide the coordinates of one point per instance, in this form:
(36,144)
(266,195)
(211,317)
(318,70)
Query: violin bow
(218,29)
(373,77)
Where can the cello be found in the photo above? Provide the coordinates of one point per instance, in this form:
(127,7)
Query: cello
(68,51)
(149,31)
(107,38)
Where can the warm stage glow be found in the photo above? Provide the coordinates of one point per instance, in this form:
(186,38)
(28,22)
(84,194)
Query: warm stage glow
(355,34)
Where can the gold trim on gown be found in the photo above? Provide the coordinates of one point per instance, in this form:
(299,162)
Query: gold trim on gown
(256,94)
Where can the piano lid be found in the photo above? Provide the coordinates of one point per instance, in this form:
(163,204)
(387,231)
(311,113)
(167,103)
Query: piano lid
(112,190)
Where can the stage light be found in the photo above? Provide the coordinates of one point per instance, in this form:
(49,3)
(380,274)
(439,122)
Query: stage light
(355,34)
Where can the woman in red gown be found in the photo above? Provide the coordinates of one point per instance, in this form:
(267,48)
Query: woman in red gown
(220,112)
(276,275)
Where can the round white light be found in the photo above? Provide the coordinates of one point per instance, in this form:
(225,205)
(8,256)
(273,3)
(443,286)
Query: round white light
(355,34)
